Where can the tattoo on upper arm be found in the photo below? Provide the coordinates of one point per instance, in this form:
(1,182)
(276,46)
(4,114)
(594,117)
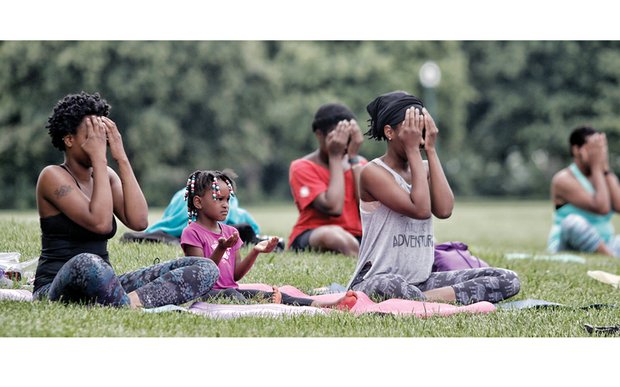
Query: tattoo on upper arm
(62,191)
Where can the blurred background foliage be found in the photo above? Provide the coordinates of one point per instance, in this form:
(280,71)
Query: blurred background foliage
(504,108)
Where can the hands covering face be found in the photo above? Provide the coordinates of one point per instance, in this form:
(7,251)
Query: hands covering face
(345,138)
(100,133)
(96,138)
(115,140)
(418,130)
(595,151)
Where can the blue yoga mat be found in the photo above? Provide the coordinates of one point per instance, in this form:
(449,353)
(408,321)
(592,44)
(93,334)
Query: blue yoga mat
(550,257)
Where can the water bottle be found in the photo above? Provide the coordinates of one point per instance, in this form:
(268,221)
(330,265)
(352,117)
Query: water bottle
(4,281)
(16,270)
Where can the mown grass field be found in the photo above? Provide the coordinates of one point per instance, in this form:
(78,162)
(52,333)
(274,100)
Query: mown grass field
(490,228)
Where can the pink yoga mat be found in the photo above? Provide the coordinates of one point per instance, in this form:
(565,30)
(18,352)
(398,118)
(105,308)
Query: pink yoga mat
(395,306)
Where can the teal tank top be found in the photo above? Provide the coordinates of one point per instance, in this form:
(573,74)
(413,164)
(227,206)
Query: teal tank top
(602,223)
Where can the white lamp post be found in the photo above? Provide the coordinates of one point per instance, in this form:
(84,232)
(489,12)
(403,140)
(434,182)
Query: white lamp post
(430,77)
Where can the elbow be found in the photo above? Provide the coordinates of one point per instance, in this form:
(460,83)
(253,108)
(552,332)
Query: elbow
(336,212)
(328,206)
(136,222)
(443,211)
(445,214)
(103,228)
(603,209)
(333,210)
(424,214)
(421,213)
(140,225)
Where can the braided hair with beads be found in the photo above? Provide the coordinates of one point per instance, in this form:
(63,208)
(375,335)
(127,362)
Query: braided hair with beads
(200,181)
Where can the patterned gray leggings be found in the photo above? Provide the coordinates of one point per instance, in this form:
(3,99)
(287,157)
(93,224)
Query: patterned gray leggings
(471,285)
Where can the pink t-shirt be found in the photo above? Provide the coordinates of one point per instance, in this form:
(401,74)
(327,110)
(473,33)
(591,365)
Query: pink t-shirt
(199,236)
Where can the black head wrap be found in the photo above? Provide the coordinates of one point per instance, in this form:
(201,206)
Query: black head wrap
(389,109)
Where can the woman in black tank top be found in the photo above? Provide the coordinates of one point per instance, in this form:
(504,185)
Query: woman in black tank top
(78,202)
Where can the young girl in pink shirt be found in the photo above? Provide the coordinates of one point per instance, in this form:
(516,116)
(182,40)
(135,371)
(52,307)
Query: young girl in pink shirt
(208,194)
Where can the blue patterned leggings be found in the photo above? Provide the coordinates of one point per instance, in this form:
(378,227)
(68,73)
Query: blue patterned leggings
(471,285)
(87,278)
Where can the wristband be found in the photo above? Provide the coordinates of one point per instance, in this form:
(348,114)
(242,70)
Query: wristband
(354,160)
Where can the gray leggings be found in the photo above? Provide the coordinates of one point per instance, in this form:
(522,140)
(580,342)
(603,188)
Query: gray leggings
(471,285)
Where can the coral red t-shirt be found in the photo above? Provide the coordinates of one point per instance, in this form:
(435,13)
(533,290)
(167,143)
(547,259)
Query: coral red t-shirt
(307,180)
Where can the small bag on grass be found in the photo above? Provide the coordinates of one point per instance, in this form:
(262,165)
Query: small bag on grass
(455,256)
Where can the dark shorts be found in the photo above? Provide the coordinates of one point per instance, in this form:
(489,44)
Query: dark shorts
(302,242)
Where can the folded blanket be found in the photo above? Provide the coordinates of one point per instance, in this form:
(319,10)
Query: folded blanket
(392,306)
(607,278)
(15,295)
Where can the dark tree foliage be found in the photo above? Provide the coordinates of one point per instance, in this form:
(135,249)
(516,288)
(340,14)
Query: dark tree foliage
(504,108)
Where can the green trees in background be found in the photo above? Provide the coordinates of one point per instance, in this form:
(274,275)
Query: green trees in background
(504,108)
(530,95)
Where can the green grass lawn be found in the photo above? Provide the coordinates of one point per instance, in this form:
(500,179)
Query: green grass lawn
(490,228)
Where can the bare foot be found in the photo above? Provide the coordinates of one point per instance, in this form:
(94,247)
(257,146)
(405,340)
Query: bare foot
(276,298)
(134,300)
(346,302)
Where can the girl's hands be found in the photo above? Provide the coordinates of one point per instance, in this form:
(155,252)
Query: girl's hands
(225,243)
(95,144)
(114,139)
(431,131)
(410,133)
(266,246)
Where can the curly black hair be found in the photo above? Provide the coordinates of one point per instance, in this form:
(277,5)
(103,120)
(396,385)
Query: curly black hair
(202,181)
(68,114)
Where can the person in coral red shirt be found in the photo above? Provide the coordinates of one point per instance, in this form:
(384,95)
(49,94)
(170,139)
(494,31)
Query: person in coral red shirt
(324,185)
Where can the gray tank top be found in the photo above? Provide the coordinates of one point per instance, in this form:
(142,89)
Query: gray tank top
(394,243)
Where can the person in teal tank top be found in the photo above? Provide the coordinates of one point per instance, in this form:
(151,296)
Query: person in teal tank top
(585,195)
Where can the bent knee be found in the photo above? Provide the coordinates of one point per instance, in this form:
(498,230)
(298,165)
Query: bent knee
(574,222)
(334,238)
(207,273)
(513,282)
(86,261)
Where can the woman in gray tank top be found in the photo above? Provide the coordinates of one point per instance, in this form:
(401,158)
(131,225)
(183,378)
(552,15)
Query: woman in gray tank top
(399,194)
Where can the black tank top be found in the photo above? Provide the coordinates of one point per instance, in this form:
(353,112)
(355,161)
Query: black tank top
(61,240)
